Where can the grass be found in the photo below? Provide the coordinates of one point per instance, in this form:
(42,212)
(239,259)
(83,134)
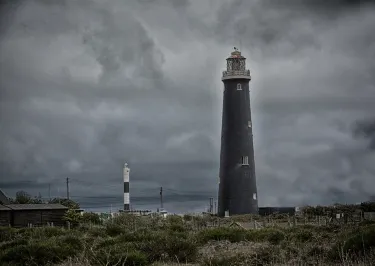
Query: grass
(131,240)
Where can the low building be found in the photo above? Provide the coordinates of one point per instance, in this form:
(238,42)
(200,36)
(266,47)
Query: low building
(22,215)
(264,211)
(5,215)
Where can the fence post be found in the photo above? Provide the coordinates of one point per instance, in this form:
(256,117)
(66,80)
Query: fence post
(68,225)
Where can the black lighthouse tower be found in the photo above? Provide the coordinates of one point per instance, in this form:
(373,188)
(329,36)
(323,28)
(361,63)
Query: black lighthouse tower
(237,187)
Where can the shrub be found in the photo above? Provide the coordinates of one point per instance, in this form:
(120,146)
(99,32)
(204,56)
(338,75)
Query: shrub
(275,237)
(355,244)
(32,254)
(303,236)
(7,233)
(97,232)
(117,255)
(113,229)
(261,256)
(170,246)
(272,235)
(222,233)
(188,217)
(70,246)
(177,228)
(137,236)
(42,232)
(175,219)
(90,217)
(13,243)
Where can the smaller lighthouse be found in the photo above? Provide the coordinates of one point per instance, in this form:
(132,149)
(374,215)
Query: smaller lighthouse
(126,172)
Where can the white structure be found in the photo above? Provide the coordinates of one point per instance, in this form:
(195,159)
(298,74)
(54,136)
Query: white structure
(126,172)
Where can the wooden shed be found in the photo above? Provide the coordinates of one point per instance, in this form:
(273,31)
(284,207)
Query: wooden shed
(21,215)
(5,215)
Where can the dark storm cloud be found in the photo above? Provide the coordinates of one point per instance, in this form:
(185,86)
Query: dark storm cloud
(90,84)
(366,129)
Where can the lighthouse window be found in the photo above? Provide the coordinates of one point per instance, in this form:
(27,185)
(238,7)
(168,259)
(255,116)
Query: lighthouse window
(239,87)
(245,160)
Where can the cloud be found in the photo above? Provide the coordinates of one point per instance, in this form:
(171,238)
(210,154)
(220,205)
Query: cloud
(91,84)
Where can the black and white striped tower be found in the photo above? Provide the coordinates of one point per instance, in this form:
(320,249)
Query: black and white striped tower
(126,172)
(237,187)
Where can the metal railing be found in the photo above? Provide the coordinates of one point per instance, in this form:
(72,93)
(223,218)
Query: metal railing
(236,73)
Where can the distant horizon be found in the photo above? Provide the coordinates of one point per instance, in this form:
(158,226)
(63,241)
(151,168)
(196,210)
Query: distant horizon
(172,204)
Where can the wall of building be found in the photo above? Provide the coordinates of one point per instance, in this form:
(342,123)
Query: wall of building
(22,218)
(4,218)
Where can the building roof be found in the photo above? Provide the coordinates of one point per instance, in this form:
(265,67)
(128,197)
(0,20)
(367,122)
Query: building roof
(3,199)
(4,208)
(19,207)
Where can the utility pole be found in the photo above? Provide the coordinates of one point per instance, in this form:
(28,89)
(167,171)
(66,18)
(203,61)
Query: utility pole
(49,191)
(211,205)
(161,197)
(67,187)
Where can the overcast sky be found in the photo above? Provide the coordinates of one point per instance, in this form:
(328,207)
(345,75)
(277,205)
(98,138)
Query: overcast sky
(89,84)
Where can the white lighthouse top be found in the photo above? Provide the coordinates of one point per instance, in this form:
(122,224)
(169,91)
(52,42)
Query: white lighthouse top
(236,67)
(126,165)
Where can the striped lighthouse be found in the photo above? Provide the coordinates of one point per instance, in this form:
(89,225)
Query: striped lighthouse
(126,172)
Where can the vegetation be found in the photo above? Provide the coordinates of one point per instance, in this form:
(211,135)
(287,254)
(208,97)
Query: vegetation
(135,240)
(23,197)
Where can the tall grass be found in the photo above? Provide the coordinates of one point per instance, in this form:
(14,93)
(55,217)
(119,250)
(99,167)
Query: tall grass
(131,240)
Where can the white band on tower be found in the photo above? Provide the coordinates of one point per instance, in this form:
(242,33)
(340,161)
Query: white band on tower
(126,172)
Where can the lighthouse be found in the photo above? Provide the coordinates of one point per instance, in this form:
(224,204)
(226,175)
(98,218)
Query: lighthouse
(126,172)
(237,181)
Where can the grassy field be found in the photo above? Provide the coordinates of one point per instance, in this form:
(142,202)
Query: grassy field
(132,240)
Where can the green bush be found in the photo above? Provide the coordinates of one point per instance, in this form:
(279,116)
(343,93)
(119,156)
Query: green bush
(90,217)
(303,236)
(41,232)
(113,229)
(170,246)
(97,232)
(117,254)
(261,256)
(188,217)
(137,236)
(177,228)
(222,233)
(32,254)
(7,233)
(275,237)
(13,243)
(356,244)
(70,246)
